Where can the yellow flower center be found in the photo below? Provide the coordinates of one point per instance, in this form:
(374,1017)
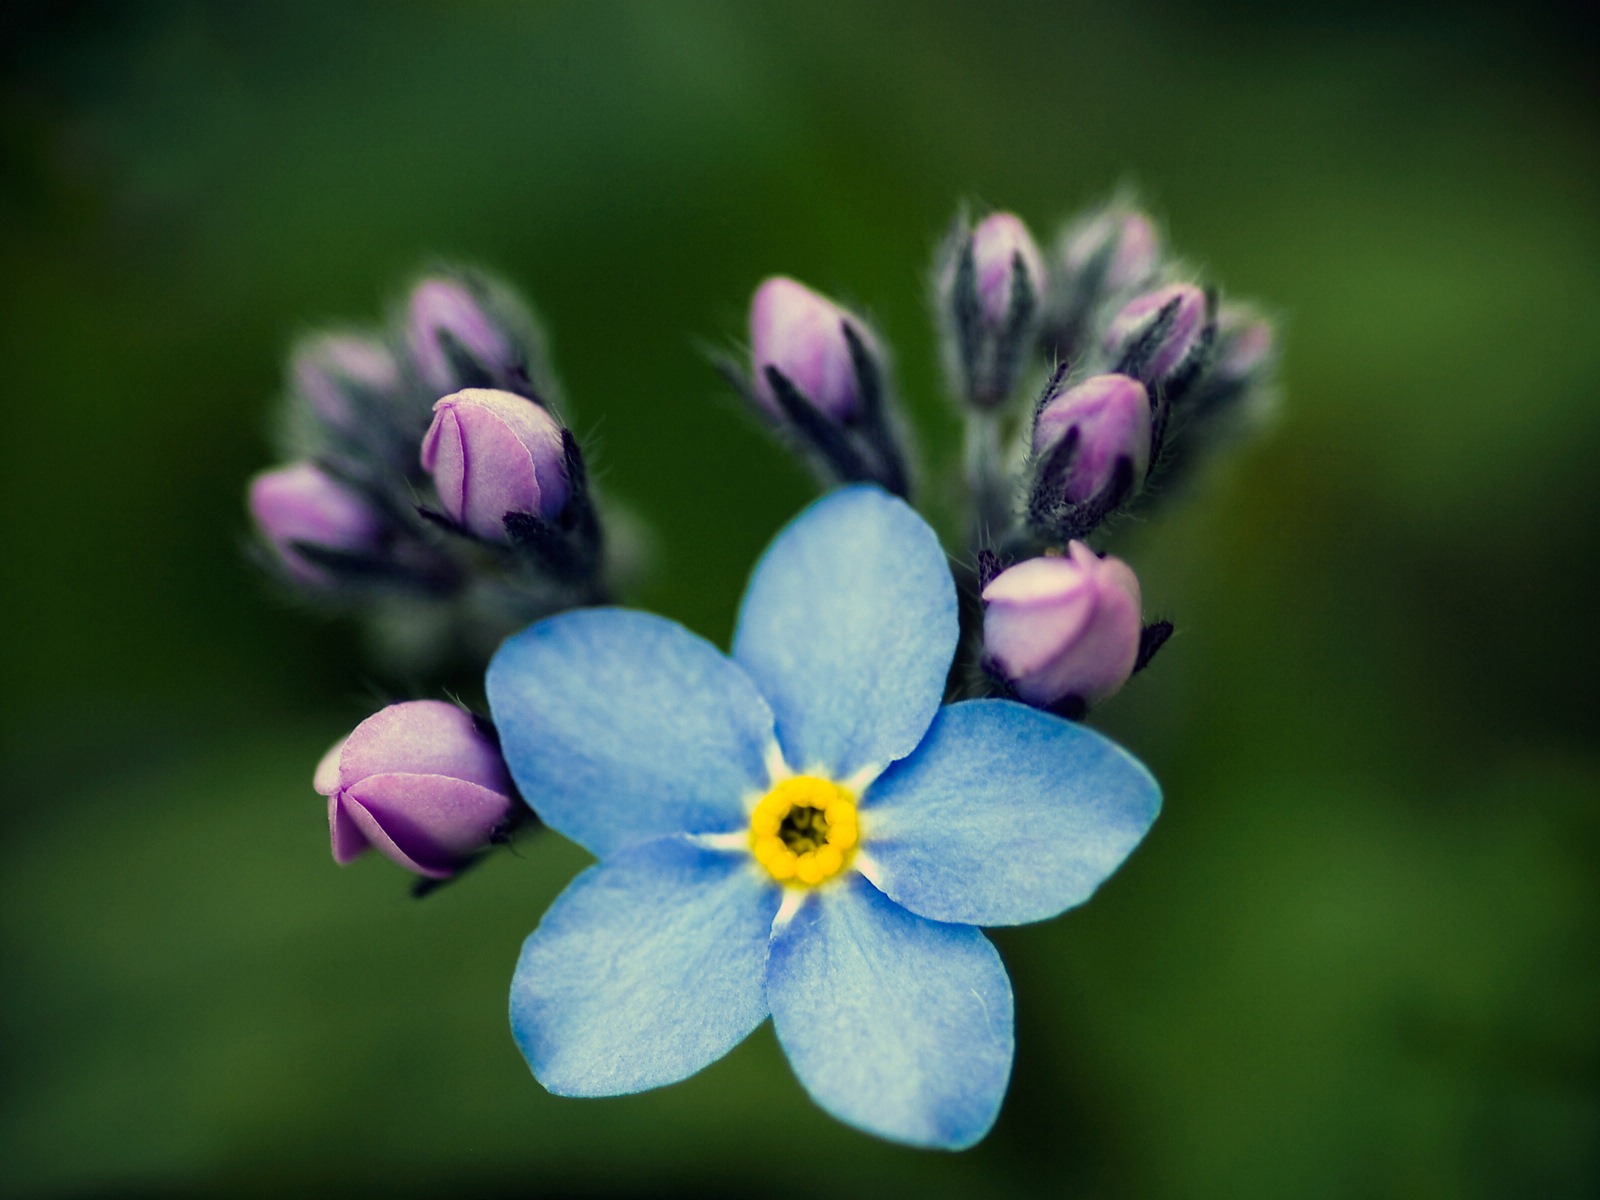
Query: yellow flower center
(804,831)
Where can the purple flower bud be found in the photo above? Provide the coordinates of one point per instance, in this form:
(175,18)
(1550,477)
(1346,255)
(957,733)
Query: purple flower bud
(1063,626)
(1128,240)
(328,368)
(1245,342)
(1182,335)
(300,503)
(996,243)
(801,333)
(421,782)
(989,325)
(491,453)
(445,312)
(1112,416)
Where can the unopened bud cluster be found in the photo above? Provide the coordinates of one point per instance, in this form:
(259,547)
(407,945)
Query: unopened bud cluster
(1135,368)
(431,490)
(429,469)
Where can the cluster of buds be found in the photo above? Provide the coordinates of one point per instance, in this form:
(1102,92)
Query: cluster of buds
(433,491)
(1137,372)
(429,469)
(1142,371)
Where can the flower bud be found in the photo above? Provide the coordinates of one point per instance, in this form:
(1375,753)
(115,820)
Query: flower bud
(458,337)
(1245,343)
(492,453)
(1184,331)
(1123,239)
(1063,627)
(989,313)
(1111,414)
(1236,393)
(801,333)
(299,504)
(421,781)
(336,372)
(998,241)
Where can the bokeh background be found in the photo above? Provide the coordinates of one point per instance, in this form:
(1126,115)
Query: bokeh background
(1359,954)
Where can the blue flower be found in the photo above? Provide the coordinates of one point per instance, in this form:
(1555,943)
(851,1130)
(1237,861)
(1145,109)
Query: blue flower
(799,831)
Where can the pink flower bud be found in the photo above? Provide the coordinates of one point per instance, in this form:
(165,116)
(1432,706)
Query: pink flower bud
(443,311)
(996,243)
(327,369)
(1181,337)
(801,333)
(421,782)
(300,503)
(1064,626)
(491,453)
(1127,238)
(1112,416)
(1245,342)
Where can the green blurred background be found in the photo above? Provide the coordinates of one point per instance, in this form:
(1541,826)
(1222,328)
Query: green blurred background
(1359,954)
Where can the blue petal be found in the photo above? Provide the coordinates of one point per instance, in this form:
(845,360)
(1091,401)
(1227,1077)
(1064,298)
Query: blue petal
(646,969)
(898,1025)
(621,726)
(848,628)
(1004,815)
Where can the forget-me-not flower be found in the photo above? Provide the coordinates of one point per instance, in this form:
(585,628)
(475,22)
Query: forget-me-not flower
(800,830)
